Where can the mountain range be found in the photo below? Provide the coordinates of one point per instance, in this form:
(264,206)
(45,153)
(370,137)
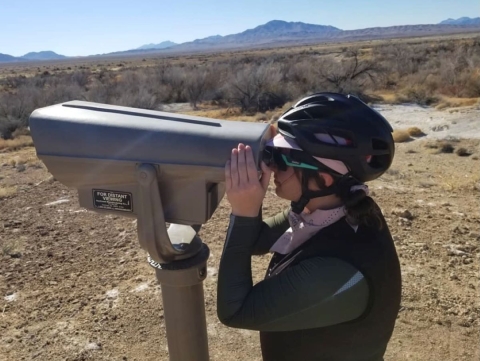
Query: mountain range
(274,33)
(162,45)
(461,21)
(41,55)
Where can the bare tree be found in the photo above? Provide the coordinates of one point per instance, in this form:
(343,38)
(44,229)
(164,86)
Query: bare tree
(175,77)
(257,88)
(198,82)
(351,74)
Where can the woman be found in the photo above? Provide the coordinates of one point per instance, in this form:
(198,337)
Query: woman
(333,287)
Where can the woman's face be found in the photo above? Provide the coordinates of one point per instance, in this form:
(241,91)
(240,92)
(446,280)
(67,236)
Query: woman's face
(288,185)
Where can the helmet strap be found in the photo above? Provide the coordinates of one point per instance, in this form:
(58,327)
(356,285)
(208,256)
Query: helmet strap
(307,195)
(341,187)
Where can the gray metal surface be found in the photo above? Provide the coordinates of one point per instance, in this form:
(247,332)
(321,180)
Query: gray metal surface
(184,306)
(96,147)
(100,131)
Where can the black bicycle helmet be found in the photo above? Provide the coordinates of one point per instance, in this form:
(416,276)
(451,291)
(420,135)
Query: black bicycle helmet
(338,134)
(370,147)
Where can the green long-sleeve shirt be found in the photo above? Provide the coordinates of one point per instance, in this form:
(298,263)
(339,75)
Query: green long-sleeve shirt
(317,292)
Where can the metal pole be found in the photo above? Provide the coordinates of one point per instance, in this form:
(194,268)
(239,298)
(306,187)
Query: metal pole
(184,306)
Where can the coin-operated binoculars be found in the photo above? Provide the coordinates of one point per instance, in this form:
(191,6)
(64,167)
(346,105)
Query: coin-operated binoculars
(156,167)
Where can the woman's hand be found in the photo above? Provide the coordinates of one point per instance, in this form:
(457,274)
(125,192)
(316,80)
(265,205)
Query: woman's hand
(245,191)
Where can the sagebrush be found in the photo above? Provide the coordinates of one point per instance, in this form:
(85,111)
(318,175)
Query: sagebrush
(417,71)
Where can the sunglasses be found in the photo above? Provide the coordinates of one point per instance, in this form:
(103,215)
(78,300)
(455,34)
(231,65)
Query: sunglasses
(281,158)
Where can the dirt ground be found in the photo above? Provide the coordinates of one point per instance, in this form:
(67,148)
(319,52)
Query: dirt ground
(75,285)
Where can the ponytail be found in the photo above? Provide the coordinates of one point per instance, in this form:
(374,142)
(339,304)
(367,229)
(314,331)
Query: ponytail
(362,210)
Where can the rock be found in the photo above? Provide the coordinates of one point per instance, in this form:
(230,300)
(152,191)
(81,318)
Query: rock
(92,346)
(439,128)
(16,255)
(455,252)
(464,323)
(13,224)
(446,204)
(21,168)
(475,235)
(403,213)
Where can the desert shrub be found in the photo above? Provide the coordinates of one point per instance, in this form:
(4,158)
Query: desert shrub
(415,132)
(415,71)
(432,145)
(353,74)
(99,93)
(404,59)
(20,141)
(141,98)
(417,95)
(261,117)
(258,88)
(462,152)
(446,148)
(201,84)
(175,78)
(471,82)
(400,136)
(81,77)
(8,126)
(5,192)
(423,71)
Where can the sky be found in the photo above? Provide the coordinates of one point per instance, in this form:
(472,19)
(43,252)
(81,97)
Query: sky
(88,27)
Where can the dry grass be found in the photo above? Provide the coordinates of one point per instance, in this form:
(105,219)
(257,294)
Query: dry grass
(7,191)
(450,102)
(12,246)
(15,144)
(401,136)
(387,97)
(415,132)
(24,159)
(467,182)
(223,114)
(235,113)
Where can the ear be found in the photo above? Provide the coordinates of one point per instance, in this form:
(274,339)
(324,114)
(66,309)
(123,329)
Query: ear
(327,178)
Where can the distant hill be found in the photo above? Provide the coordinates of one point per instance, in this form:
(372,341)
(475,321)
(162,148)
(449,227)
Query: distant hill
(273,31)
(162,45)
(43,55)
(278,33)
(461,21)
(5,58)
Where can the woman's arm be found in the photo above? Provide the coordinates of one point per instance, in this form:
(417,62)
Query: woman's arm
(315,293)
(271,230)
